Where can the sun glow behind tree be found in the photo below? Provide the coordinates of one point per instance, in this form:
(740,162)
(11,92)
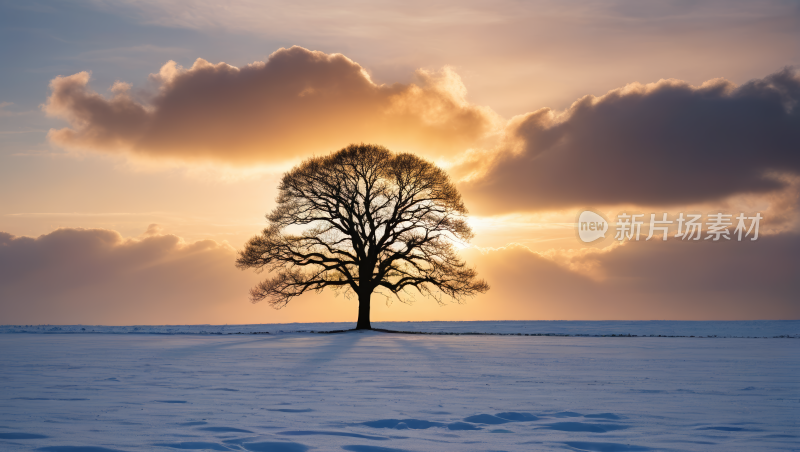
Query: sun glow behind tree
(373,220)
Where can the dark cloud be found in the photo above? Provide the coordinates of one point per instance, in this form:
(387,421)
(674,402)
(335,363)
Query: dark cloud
(649,280)
(660,144)
(96,276)
(296,103)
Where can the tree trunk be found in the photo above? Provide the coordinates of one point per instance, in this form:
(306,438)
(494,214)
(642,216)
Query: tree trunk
(363,311)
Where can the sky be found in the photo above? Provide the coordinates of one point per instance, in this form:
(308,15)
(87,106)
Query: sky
(142,142)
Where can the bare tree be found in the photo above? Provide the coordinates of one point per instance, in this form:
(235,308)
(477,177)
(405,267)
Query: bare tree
(373,220)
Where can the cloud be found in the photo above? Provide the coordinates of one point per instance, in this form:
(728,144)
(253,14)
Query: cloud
(646,280)
(296,103)
(95,276)
(664,143)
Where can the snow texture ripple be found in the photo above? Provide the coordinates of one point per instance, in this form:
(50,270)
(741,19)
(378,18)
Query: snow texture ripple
(379,392)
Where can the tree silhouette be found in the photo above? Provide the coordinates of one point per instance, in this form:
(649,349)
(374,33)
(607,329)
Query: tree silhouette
(373,220)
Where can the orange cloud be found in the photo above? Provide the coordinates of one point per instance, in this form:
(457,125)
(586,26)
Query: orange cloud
(95,276)
(296,103)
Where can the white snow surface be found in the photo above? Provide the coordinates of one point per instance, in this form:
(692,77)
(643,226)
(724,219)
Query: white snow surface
(370,391)
(670,328)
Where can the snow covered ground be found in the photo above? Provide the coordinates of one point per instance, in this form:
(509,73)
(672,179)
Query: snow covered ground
(379,392)
(744,328)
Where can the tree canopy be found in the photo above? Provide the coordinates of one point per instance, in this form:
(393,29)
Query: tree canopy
(362,219)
